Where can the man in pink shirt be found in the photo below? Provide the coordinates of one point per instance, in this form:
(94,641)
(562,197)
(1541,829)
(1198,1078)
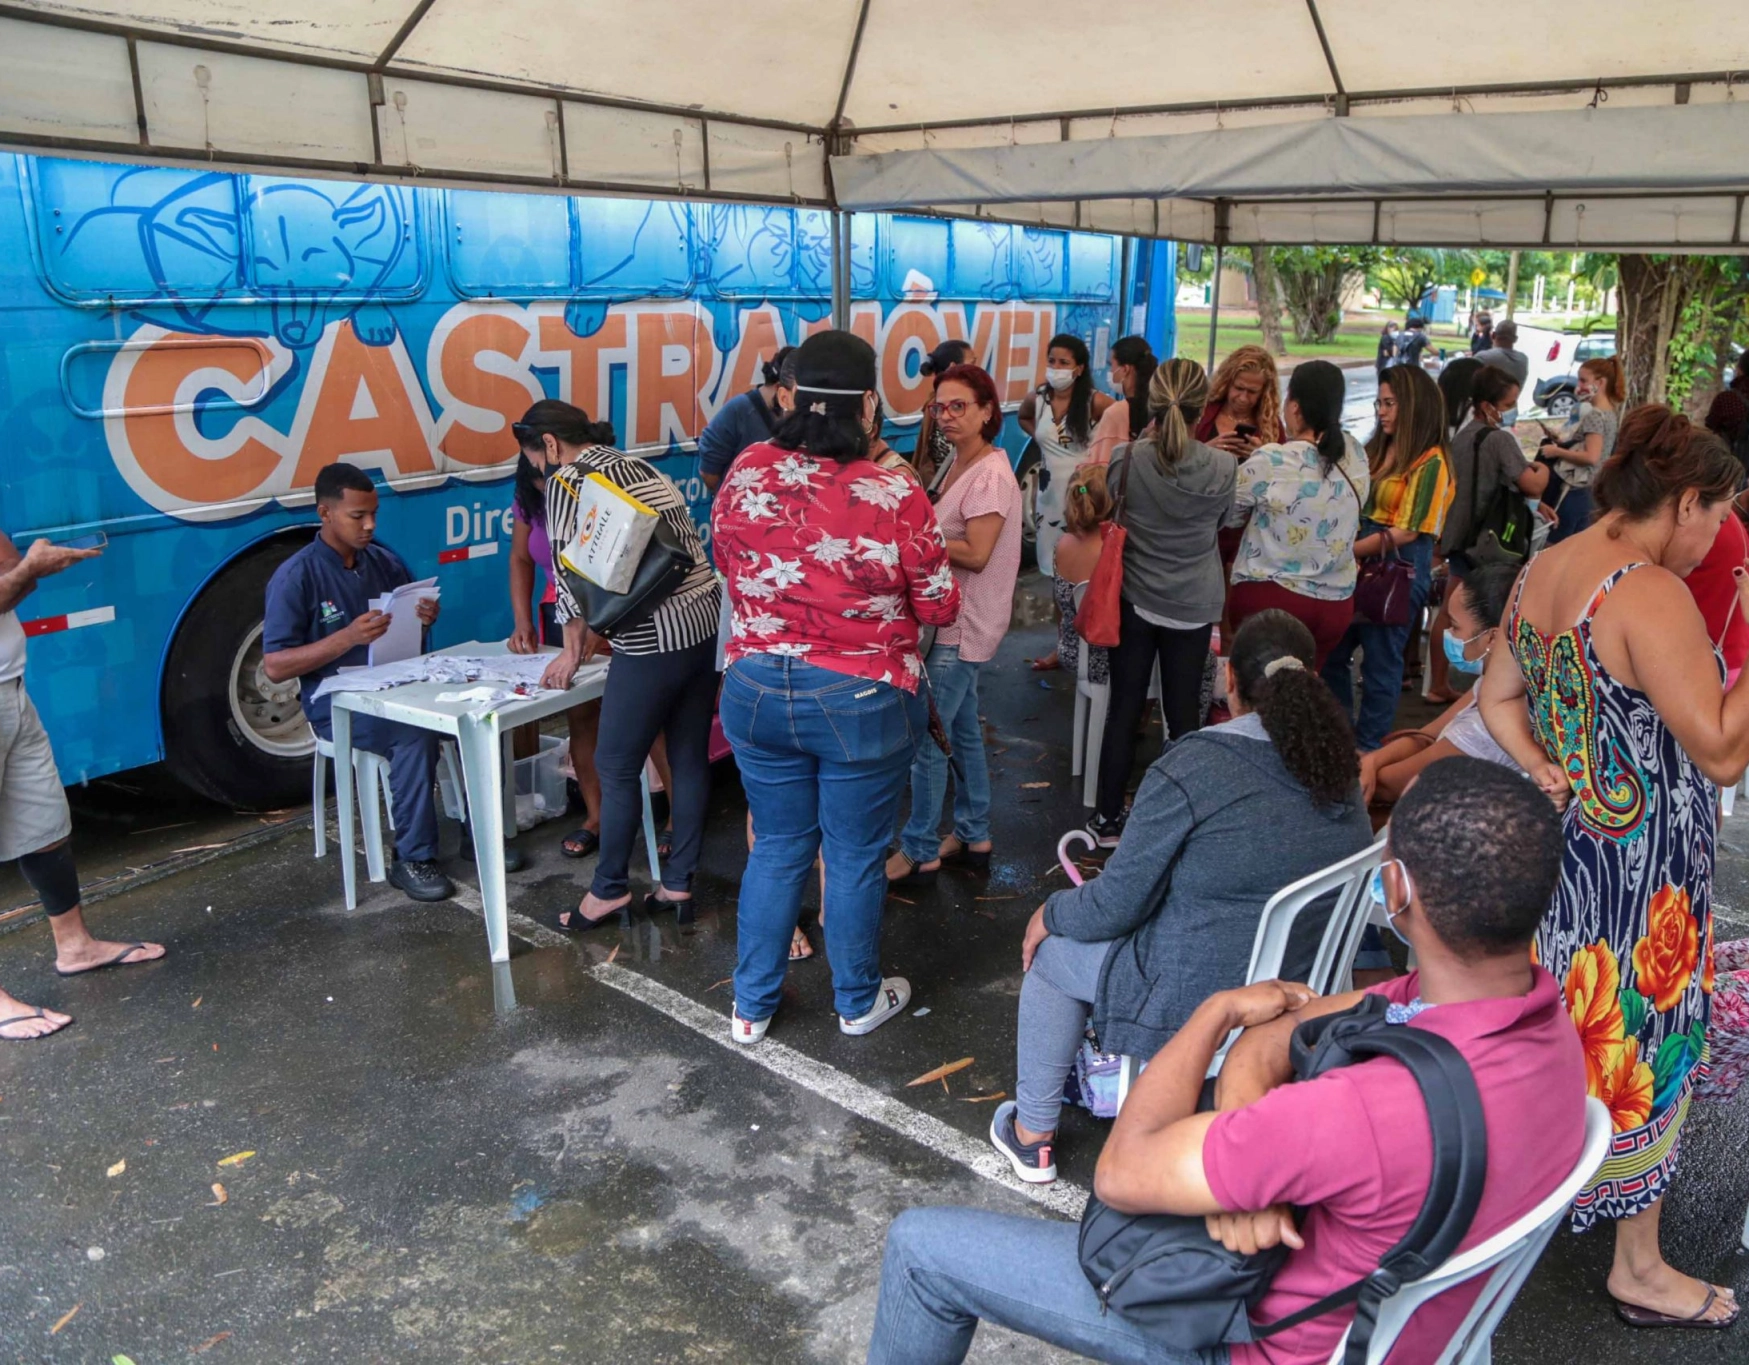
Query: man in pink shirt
(1474,855)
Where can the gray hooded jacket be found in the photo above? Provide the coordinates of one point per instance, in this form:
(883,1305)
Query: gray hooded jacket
(1219,826)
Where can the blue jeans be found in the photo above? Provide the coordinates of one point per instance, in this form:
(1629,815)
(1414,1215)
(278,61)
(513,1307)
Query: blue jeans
(955,686)
(1381,665)
(412,756)
(1574,513)
(823,758)
(947,1269)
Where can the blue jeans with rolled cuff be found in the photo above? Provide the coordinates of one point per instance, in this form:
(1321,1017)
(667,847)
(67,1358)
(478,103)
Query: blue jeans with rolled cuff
(954,683)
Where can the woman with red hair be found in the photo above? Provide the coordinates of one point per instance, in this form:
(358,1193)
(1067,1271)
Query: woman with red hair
(978,507)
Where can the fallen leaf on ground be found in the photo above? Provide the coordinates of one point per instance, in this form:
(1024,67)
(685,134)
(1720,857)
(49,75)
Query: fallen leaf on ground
(197,1000)
(210,1342)
(1032,786)
(66,1317)
(995,898)
(613,954)
(219,1195)
(725,981)
(947,1069)
(197,848)
(117,1169)
(236,1158)
(983,1099)
(900,899)
(121,1360)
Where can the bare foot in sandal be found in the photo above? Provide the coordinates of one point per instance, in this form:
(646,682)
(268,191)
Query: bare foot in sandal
(76,952)
(800,949)
(20,1022)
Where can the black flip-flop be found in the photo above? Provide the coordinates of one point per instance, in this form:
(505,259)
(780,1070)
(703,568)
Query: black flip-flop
(969,858)
(665,844)
(588,838)
(116,961)
(1635,1316)
(24,1018)
(580,923)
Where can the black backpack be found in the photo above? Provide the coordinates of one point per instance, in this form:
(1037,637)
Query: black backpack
(1500,533)
(1165,1273)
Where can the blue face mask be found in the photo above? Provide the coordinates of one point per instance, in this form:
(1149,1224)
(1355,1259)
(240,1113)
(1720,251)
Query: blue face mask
(1454,655)
(1378,894)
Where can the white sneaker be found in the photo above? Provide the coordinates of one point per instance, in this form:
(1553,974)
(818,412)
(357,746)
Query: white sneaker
(747,1031)
(894,996)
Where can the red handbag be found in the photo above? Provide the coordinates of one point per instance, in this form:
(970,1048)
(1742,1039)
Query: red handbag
(1097,622)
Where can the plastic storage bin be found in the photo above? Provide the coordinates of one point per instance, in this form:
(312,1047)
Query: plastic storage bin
(539,785)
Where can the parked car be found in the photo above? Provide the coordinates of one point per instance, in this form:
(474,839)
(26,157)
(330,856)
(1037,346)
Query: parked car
(1555,394)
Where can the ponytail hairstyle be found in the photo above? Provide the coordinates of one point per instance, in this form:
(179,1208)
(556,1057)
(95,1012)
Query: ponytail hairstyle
(772,370)
(1319,389)
(1274,667)
(1606,370)
(944,357)
(1177,391)
(1079,418)
(1491,387)
(1659,456)
(1420,422)
(1139,356)
(1457,381)
(1089,501)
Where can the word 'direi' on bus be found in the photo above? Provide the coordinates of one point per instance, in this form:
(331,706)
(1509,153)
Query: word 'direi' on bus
(461,527)
(181,428)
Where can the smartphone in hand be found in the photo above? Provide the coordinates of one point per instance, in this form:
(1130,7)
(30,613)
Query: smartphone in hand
(95,541)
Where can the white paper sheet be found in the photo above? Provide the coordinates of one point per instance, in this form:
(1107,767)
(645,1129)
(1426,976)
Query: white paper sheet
(405,637)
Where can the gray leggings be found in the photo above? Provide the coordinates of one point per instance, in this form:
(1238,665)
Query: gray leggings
(1055,1001)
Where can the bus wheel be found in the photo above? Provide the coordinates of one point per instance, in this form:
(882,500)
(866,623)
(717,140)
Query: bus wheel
(1028,473)
(229,733)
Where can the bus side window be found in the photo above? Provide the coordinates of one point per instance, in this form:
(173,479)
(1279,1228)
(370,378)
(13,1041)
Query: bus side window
(633,248)
(508,246)
(324,236)
(982,261)
(1092,267)
(754,254)
(1041,263)
(135,232)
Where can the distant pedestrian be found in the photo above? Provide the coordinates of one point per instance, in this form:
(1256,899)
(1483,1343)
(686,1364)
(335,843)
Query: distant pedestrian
(1387,355)
(1482,333)
(35,821)
(1413,342)
(1502,355)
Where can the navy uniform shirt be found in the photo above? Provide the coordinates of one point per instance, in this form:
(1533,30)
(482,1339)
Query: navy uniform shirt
(313,594)
(743,421)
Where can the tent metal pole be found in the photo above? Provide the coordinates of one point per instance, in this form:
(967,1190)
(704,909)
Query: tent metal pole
(1215,303)
(841,270)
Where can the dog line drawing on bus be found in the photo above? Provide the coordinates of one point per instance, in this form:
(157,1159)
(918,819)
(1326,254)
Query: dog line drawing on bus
(190,239)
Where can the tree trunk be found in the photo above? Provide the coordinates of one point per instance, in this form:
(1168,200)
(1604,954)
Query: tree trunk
(1653,291)
(1268,300)
(1511,283)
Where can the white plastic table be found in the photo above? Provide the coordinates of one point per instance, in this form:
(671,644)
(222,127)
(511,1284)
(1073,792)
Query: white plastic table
(479,732)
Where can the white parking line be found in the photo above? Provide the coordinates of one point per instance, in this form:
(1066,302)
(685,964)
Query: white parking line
(1063,1197)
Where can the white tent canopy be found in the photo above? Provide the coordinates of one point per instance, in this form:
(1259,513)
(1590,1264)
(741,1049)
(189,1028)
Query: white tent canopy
(1572,123)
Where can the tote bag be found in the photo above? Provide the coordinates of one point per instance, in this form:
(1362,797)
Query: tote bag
(1101,611)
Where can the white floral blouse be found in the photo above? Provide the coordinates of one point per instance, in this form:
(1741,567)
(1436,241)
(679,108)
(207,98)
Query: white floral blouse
(1303,521)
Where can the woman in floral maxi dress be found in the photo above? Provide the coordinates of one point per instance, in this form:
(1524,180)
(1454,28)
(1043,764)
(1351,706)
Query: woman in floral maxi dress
(1612,700)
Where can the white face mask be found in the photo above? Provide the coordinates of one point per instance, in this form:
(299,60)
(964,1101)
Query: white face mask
(1059,379)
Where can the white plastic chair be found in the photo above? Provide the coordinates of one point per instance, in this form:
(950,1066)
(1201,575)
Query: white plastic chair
(371,777)
(1507,1258)
(1092,701)
(1333,966)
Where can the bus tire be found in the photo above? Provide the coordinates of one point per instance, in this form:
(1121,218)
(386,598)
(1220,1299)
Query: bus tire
(228,733)
(1027,475)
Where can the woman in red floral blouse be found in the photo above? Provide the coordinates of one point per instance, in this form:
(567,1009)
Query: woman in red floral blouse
(834,565)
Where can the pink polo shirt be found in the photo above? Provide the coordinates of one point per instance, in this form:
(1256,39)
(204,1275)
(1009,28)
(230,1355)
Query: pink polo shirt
(987,595)
(1355,1145)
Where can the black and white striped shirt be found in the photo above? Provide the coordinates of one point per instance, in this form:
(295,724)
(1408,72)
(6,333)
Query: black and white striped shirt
(689,617)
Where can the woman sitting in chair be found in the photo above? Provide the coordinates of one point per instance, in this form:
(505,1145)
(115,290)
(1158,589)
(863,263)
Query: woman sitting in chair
(1226,818)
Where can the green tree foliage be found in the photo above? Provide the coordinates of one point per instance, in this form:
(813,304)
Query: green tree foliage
(1403,275)
(1312,280)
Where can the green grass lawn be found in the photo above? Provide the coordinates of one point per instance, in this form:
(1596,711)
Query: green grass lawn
(1356,339)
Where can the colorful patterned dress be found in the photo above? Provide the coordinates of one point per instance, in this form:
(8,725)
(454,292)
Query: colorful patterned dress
(1630,929)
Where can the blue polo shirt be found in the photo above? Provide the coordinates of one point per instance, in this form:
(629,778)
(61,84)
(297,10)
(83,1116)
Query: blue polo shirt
(313,594)
(741,422)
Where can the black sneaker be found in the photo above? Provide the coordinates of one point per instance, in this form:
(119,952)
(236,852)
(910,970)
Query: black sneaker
(1033,1162)
(514,858)
(1106,831)
(422,880)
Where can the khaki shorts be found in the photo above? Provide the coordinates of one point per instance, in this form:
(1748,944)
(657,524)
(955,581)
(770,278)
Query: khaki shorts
(33,805)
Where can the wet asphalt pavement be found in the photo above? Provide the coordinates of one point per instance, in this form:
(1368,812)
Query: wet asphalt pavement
(439,1174)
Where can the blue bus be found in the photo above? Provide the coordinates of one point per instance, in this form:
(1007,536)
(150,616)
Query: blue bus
(181,350)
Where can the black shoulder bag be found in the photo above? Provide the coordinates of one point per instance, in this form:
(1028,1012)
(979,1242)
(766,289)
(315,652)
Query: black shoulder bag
(1182,1287)
(1500,534)
(666,563)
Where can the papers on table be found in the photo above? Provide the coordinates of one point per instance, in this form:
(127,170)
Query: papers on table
(506,675)
(405,637)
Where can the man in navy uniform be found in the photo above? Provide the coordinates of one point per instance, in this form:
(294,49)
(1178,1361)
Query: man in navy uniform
(319,620)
